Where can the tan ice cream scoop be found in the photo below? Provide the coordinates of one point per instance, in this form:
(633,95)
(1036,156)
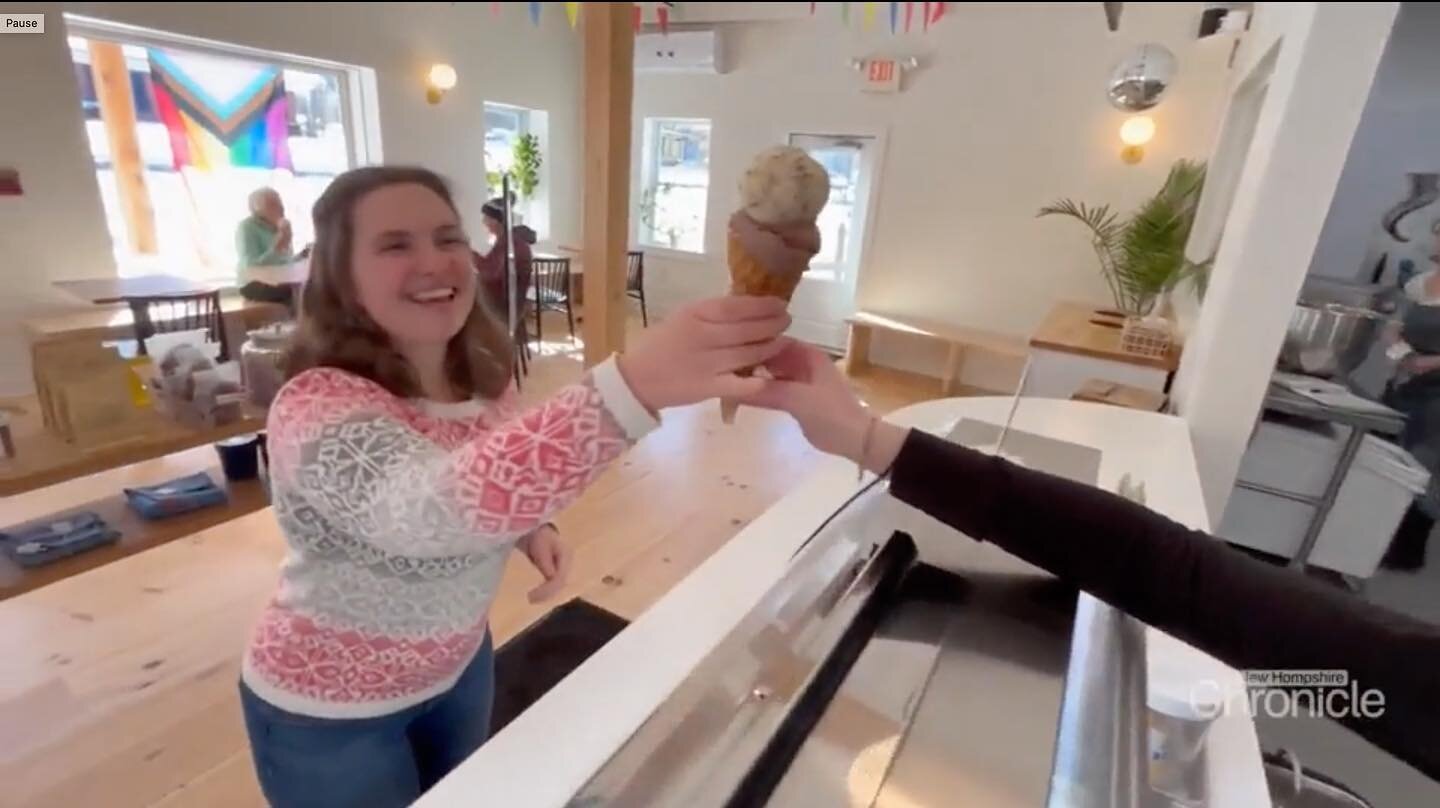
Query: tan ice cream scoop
(773,236)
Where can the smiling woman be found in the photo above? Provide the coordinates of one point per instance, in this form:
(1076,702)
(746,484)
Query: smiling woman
(402,474)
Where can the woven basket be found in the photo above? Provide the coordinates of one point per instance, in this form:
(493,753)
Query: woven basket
(1146,337)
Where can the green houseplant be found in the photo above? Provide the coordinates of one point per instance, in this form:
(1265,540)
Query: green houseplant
(527,164)
(525,173)
(1142,258)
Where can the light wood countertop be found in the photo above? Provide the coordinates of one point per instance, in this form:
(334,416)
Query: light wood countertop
(43,458)
(1069,328)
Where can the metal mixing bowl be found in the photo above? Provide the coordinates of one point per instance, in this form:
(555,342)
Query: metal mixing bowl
(1329,339)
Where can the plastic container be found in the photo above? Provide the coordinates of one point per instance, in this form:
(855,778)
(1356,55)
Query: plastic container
(260,362)
(1181,706)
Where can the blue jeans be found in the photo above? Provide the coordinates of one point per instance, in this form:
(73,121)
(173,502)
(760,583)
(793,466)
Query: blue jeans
(389,760)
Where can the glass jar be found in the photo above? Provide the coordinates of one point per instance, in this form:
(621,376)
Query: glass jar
(260,362)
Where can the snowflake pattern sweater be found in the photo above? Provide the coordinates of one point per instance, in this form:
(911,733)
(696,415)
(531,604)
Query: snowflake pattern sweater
(399,515)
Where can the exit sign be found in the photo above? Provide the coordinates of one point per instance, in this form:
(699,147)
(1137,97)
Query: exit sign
(881,76)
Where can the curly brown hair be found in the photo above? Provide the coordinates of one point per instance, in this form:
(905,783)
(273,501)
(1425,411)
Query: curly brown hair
(334,330)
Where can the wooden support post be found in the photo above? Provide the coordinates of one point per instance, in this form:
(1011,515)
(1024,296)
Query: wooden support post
(609,91)
(954,367)
(117,111)
(857,352)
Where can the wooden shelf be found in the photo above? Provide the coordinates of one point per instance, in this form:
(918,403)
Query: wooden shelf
(136,534)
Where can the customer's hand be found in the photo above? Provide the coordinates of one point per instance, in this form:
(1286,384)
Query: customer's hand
(693,355)
(807,385)
(551,557)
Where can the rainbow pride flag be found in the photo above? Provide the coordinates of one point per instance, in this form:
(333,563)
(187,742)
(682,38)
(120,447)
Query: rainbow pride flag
(221,112)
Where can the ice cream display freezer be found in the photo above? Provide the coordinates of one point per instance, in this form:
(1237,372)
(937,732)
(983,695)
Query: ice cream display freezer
(868,677)
(880,659)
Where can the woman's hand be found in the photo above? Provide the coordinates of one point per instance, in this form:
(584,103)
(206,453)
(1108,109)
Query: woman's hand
(551,557)
(806,384)
(693,355)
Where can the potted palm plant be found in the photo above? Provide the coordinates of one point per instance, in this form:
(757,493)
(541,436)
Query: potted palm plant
(1142,258)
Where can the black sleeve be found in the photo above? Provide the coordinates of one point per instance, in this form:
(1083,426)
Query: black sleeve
(1247,613)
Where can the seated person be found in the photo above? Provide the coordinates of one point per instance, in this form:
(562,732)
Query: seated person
(491,265)
(264,239)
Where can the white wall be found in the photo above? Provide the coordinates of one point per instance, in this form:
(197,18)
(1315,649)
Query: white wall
(1326,59)
(1399,132)
(1007,113)
(58,225)
(58,228)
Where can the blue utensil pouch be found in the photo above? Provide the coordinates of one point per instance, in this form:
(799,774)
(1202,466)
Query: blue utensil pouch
(37,543)
(175,497)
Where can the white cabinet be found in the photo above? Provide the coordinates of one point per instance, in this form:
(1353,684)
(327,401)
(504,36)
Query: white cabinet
(1381,483)
(1054,374)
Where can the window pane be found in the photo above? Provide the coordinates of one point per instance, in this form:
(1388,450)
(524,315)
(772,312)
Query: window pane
(677,184)
(503,127)
(196,212)
(837,219)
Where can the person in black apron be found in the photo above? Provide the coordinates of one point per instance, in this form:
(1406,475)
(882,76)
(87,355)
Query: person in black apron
(1415,392)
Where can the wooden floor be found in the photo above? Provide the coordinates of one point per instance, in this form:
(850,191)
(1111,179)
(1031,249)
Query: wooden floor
(118,686)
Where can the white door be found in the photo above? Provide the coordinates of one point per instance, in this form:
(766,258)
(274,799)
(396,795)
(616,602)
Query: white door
(826,295)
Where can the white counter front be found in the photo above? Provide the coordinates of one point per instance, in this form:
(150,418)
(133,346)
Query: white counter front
(549,752)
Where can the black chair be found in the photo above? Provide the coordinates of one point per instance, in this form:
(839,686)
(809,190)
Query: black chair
(520,337)
(551,277)
(635,281)
(169,314)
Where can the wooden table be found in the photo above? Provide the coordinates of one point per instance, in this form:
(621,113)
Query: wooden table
(101,291)
(292,274)
(42,458)
(1075,344)
(102,323)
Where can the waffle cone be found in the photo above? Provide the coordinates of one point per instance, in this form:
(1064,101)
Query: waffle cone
(748,277)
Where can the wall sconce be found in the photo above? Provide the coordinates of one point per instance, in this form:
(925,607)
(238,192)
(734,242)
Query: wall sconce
(1135,133)
(440,79)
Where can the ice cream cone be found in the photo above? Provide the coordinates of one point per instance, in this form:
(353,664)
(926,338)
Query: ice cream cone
(748,277)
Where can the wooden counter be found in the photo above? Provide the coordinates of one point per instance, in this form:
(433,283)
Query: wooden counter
(1070,328)
(43,458)
(106,498)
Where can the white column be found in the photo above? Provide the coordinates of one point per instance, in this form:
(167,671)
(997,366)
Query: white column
(1320,59)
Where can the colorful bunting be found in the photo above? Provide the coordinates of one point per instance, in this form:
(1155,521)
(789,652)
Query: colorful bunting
(930,13)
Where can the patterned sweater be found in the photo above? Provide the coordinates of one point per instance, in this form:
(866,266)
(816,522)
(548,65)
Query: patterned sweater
(399,515)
